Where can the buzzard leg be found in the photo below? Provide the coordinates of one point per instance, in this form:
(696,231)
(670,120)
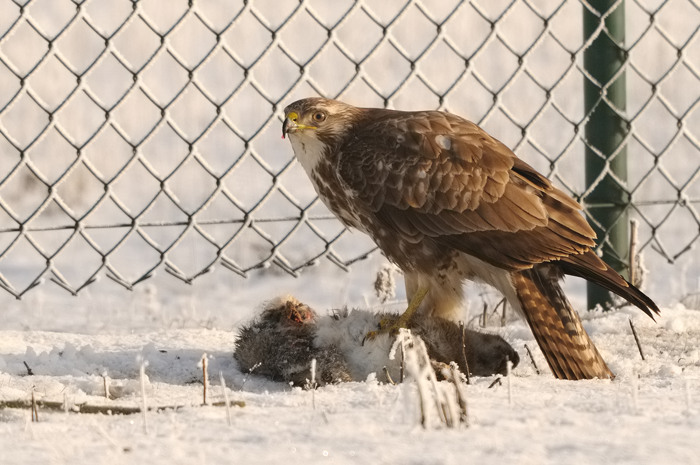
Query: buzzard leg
(391,325)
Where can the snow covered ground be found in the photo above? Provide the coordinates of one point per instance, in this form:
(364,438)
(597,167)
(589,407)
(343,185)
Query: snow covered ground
(649,414)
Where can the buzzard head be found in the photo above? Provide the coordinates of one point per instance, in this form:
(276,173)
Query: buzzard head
(316,127)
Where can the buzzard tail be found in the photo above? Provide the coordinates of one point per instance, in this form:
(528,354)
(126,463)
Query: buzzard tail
(557,327)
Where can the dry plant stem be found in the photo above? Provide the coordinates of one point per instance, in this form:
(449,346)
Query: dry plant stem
(447,417)
(205,379)
(495,382)
(388,377)
(461,395)
(503,313)
(532,359)
(35,412)
(85,408)
(501,303)
(449,405)
(440,401)
(313,383)
(105,383)
(633,253)
(232,403)
(421,402)
(441,404)
(509,364)
(412,363)
(144,406)
(247,375)
(463,330)
(636,339)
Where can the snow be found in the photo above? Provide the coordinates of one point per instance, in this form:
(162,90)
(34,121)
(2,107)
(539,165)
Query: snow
(649,414)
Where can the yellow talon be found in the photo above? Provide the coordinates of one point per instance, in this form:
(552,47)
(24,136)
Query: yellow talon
(392,325)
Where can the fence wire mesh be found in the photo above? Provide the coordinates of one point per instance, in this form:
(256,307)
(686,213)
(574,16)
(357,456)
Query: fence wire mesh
(145,134)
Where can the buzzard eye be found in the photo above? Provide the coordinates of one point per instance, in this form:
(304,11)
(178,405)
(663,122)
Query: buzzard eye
(319,116)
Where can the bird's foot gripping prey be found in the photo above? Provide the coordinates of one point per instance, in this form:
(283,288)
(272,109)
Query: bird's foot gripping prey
(392,325)
(446,202)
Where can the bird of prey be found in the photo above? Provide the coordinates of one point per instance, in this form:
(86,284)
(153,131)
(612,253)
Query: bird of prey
(447,202)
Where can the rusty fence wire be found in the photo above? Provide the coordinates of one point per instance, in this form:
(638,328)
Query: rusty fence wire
(138,135)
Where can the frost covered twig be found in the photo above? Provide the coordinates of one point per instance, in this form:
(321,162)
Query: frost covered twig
(89,408)
(463,332)
(388,376)
(35,411)
(144,406)
(250,372)
(434,399)
(105,384)
(86,408)
(461,395)
(312,385)
(509,366)
(225,393)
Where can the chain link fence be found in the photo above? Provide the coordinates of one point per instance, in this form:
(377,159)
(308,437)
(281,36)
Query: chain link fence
(145,134)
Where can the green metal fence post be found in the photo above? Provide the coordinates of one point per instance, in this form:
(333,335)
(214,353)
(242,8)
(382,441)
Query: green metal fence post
(606,154)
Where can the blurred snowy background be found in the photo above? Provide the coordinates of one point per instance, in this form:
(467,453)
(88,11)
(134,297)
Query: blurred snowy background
(140,141)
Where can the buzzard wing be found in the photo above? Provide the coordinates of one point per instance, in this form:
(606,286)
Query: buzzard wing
(437,175)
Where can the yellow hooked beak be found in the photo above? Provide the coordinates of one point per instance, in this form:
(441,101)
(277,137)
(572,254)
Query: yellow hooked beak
(291,124)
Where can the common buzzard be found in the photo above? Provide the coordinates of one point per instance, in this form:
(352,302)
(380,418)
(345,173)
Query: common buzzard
(446,202)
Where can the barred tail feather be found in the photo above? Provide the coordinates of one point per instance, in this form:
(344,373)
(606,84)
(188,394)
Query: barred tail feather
(591,268)
(557,327)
